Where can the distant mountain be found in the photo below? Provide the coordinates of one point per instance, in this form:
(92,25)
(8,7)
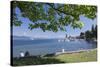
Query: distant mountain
(21,38)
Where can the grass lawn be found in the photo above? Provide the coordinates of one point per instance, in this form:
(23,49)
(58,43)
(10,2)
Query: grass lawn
(84,56)
(79,57)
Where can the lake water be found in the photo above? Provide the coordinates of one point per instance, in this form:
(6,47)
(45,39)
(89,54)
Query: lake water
(46,46)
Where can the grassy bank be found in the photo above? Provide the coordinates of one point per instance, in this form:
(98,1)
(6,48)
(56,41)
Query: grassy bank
(83,56)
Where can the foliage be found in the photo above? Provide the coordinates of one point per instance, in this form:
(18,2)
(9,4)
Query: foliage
(34,60)
(92,33)
(88,34)
(54,17)
(82,35)
(96,32)
(50,55)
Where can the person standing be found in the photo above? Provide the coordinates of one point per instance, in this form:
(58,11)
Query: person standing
(22,54)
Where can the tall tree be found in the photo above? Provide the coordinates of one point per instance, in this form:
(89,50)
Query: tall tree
(93,31)
(88,34)
(54,17)
(82,35)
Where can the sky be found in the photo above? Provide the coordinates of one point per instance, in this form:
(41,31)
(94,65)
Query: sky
(38,33)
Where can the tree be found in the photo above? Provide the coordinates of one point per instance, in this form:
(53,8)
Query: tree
(95,32)
(92,33)
(82,35)
(54,17)
(88,35)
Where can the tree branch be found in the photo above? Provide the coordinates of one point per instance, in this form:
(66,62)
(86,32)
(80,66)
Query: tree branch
(58,10)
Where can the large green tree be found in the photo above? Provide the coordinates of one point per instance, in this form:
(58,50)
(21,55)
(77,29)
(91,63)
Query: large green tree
(90,34)
(54,17)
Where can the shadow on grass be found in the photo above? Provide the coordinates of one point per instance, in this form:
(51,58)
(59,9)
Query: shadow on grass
(34,60)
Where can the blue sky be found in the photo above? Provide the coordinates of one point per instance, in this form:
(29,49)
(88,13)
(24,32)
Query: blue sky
(38,33)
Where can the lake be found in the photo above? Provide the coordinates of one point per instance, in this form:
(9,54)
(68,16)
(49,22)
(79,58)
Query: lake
(47,46)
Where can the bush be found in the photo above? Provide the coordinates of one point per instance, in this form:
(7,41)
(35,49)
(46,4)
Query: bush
(49,55)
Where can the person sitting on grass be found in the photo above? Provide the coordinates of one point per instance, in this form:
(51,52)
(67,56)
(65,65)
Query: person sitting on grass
(27,54)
